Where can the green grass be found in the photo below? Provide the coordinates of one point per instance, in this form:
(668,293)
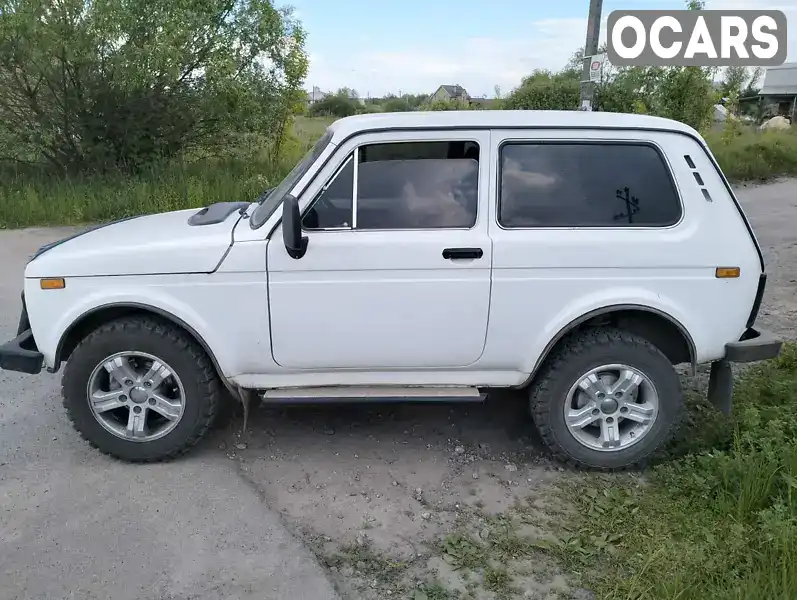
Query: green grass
(311,128)
(28,199)
(719,522)
(755,155)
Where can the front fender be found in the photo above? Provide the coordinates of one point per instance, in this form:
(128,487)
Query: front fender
(190,300)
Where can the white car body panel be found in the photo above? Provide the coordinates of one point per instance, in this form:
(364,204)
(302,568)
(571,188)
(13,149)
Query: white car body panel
(384,307)
(145,245)
(202,302)
(353,290)
(569,272)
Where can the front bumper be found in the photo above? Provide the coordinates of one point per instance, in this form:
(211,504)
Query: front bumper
(754,345)
(21,353)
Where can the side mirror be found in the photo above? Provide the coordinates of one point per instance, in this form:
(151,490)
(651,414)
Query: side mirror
(295,242)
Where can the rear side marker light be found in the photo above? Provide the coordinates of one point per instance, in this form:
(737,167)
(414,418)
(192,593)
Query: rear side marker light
(52,283)
(727,272)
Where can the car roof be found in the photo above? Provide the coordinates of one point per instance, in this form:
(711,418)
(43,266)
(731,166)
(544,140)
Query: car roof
(500,119)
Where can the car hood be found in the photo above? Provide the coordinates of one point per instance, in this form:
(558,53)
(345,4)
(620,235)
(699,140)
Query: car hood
(146,245)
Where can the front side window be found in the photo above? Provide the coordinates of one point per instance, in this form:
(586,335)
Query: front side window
(332,207)
(583,184)
(403,185)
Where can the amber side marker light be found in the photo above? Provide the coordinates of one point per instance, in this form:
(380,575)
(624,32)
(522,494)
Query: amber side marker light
(52,283)
(727,272)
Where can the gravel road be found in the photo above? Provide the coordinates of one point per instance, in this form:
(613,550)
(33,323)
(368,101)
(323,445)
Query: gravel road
(772,210)
(74,524)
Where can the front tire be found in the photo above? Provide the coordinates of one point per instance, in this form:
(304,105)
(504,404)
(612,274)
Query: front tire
(141,390)
(606,399)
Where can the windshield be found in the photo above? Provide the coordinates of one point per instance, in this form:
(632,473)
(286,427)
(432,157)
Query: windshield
(274,199)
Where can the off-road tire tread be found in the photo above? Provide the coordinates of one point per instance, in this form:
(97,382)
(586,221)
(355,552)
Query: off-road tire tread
(205,376)
(575,345)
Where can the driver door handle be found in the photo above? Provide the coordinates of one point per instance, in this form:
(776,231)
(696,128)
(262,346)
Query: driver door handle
(459,253)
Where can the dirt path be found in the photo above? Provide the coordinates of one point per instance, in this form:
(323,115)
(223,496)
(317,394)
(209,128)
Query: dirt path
(369,486)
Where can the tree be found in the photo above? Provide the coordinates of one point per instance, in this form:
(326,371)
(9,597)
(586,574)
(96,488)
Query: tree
(681,93)
(685,94)
(289,98)
(632,90)
(733,81)
(752,88)
(397,105)
(116,84)
(416,100)
(543,90)
(340,104)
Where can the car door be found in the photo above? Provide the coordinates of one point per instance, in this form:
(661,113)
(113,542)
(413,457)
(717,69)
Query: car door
(397,269)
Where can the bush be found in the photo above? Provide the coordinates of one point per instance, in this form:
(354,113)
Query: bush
(545,91)
(397,105)
(123,84)
(335,105)
(445,105)
(370,109)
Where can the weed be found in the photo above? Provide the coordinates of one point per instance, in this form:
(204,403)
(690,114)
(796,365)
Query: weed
(368,563)
(434,591)
(486,548)
(498,580)
(461,551)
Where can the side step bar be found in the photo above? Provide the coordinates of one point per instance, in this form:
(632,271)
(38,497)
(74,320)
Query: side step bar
(321,395)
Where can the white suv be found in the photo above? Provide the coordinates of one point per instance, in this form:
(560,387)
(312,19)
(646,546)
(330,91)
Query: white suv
(421,257)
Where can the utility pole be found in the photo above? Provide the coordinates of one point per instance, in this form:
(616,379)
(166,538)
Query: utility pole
(590,48)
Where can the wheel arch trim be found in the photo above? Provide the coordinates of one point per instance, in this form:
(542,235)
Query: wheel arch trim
(138,306)
(606,310)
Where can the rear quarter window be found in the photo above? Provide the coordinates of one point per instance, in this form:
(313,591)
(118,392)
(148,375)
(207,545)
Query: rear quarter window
(585,184)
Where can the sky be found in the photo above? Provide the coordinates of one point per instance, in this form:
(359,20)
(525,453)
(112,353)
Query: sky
(414,46)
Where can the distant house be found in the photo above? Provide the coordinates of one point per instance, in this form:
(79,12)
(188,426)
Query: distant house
(778,95)
(450,93)
(315,95)
(457,93)
(780,89)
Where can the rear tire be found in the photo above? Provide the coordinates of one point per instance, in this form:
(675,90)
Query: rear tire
(129,407)
(585,414)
